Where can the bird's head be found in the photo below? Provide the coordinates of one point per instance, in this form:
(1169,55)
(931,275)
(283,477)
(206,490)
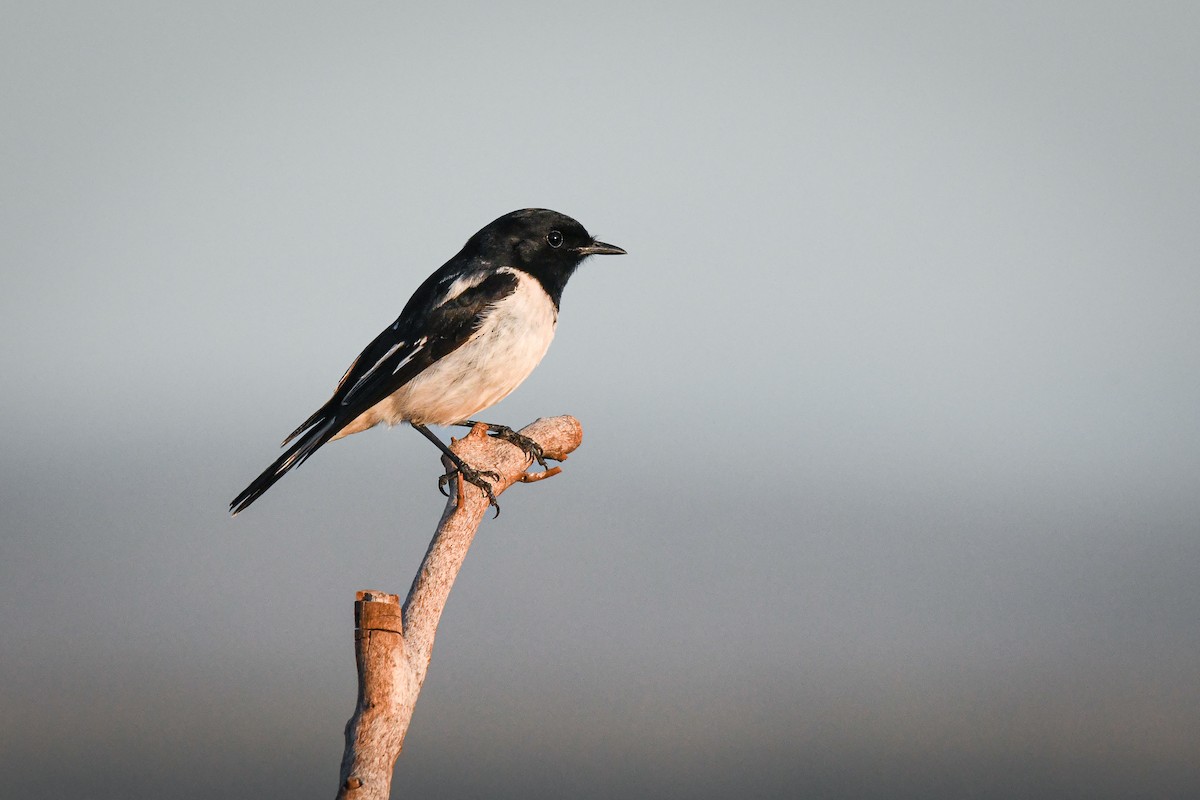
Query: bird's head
(544,243)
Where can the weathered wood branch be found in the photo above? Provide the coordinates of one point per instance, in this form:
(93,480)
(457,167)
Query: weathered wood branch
(393,644)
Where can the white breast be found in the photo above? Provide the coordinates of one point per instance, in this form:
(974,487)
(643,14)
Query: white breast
(483,371)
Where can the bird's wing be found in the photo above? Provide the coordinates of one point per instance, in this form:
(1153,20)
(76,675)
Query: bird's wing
(413,343)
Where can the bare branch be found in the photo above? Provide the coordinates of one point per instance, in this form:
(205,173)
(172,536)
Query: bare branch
(393,644)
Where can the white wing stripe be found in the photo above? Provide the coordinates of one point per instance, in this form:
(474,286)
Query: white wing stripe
(460,285)
(417,346)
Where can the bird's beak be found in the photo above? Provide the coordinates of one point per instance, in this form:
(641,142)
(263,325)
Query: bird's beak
(600,249)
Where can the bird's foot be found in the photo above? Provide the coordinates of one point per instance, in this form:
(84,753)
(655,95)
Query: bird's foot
(531,448)
(473,476)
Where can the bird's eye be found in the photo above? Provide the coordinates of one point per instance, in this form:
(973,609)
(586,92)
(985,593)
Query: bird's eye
(554,239)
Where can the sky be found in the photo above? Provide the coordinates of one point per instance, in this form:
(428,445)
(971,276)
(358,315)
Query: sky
(891,447)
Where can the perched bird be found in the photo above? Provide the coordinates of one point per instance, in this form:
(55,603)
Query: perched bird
(466,338)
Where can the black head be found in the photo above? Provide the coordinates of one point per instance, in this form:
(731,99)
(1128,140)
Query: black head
(544,243)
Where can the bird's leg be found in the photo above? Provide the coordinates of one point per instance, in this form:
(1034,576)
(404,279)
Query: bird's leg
(531,448)
(470,475)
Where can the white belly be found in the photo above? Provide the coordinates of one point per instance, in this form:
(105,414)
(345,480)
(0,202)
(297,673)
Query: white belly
(481,372)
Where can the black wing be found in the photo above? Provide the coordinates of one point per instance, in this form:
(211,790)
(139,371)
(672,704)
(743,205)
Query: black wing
(396,356)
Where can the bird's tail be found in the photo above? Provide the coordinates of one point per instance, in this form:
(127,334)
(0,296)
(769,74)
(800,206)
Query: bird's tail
(322,428)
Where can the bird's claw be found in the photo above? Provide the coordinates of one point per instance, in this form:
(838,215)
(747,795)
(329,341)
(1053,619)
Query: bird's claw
(531,448)
(472,476)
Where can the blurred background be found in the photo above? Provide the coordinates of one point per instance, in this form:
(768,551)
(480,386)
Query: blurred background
(889,484)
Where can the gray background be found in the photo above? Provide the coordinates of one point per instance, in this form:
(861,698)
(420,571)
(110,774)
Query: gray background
(889,483)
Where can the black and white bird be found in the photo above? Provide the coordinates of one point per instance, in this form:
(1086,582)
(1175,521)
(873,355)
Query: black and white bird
(470,334)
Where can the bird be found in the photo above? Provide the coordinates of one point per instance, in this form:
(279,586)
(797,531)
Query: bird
(468,336)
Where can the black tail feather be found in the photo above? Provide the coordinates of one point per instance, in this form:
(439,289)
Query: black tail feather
(323,429)
(316,418)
